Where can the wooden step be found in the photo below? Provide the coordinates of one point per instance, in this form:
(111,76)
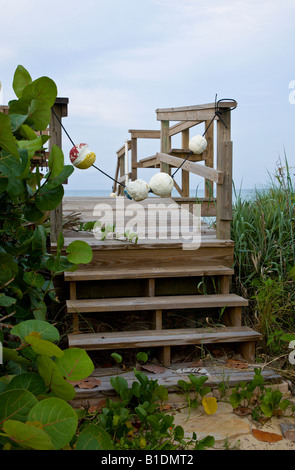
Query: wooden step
(165,338)
(155,303)
(107,273)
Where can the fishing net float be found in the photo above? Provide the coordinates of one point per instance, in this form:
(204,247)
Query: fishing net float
(161,184)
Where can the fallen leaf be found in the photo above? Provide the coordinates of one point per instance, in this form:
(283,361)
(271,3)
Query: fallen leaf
(87,383)
(166,407)
(266,436)
(210,405)
(242,411)
(153,368)
(237,364)
(101,404)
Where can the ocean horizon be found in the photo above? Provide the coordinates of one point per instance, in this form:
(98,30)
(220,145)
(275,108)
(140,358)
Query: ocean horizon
(245,193)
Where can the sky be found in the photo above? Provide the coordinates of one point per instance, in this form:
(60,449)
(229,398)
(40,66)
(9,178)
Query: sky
(119,60)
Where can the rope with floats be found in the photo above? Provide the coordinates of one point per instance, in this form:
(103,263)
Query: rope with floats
(161,184)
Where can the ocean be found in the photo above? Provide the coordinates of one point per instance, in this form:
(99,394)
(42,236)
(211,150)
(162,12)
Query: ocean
(245,193)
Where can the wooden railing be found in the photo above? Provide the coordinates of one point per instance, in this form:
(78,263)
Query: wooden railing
(168,157)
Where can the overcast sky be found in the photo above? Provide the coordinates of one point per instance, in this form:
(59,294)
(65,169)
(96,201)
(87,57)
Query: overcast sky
(119,60)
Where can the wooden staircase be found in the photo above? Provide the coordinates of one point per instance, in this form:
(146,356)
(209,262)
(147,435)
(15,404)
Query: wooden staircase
(156,278)
(149,279)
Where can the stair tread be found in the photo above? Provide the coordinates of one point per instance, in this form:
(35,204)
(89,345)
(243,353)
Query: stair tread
(146,338)
(154,303)
(125,272)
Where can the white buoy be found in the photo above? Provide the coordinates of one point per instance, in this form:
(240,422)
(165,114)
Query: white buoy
(161,184)
(198,144)
(138,189)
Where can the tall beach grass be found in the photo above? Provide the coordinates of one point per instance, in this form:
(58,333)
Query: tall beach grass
(263,229)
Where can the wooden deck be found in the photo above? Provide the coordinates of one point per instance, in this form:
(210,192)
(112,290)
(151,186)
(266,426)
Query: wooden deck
(145,278)
(172,287)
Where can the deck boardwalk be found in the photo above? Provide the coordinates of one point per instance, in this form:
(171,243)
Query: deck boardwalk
(160,260)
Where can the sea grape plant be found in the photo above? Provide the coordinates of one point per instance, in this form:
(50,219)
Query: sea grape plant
(27,268)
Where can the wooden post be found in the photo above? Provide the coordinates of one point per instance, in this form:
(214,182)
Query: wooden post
(165,167)
(122,173)
(209,136)
(61,110)
(184,173)
(224,190)
(133,159)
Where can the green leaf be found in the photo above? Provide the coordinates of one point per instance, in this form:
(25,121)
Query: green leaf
(7,141)
(3,183)
(6,301)
(58,418)
(39,240)
(21,79)
(42,89)
(60,178)
(178,433)
(56,161)
(207,441)
(79,252)
(30,381)
(16,404)
(9,164)
(34,279)
(27,132)
(8,268)
(75,364)
(117,357)
(60,243)
(120,385)
(33,214)
(33,146)
(53,378)
(12,355)
(47,331)
(17,121)
(141,413)
(142,357)
(48,199)
(43,347)
(15,188)
(38,115)
(28,435)
(94,437)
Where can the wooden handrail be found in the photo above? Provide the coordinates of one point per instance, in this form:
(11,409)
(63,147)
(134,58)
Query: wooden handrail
(209,173)
(187,117)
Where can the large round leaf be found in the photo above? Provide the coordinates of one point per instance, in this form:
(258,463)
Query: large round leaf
(43,347)
(94,438)
(28,381)
(53,378)
(28,435)
(79,252)
(47,331)
(21,79)
(58,418)
(48,199)
(16,404)
(75,364)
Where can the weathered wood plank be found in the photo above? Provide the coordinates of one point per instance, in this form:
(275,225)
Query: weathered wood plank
(156,338)
(139,272)
(165,144)
(155,303)
(206,172)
